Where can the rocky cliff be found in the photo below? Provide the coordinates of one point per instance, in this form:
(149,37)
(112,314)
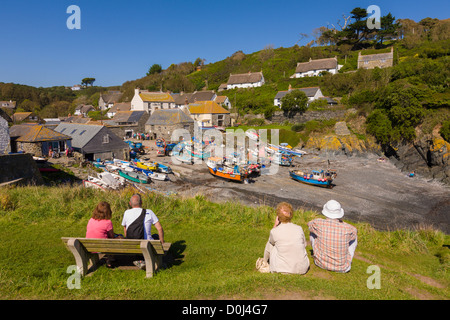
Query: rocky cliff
(428,156)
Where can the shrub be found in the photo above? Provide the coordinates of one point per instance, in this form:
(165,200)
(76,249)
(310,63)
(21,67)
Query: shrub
(445,130)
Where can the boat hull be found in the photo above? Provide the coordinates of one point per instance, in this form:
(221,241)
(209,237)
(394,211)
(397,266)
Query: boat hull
(314,182)
(228,176)
(135,177)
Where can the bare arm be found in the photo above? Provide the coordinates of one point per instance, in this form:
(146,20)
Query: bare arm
(160,229)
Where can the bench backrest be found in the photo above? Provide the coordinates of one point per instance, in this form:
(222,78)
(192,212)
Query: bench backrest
(119,245)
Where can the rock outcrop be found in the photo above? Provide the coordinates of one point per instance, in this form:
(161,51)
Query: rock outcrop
(428,156)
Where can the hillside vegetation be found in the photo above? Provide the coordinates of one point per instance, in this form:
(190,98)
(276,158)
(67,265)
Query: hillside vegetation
(399,102)
(213,255)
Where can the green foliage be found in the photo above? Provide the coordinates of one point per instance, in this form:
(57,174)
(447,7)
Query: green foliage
(445,131)
(155,68)
(294,101)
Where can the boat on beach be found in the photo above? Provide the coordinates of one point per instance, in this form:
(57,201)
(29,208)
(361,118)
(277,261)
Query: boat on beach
(217,168)
(134,176)
(320,178)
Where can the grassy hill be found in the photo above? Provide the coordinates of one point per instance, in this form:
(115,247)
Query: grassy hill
(215,247)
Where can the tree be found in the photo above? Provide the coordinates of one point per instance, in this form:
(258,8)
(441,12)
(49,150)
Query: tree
(295,100)
(389,28)
(88,81)
(155,68)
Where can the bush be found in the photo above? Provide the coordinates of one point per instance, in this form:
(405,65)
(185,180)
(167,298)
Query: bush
(445,131)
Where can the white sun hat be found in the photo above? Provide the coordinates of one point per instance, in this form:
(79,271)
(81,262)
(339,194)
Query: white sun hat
(333,210)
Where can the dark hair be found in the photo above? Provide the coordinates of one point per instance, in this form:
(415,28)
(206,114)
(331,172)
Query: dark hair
(102,211)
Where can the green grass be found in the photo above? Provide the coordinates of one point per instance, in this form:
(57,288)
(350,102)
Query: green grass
(215,247)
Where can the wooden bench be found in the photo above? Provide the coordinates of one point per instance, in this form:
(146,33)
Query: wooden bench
(85,250)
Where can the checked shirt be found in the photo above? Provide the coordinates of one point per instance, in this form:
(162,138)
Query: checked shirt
(331,243)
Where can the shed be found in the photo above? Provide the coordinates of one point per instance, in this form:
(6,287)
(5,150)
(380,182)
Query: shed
(95,141)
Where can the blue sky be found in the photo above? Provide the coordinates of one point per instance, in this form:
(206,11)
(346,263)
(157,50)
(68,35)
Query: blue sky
(119,40)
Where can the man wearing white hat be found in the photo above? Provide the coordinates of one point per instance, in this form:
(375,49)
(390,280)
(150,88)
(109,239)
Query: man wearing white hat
(333,241)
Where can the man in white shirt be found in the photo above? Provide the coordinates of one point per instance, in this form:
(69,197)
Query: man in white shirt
(150,219)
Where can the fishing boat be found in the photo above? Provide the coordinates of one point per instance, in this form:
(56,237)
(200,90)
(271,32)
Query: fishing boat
(152,174)
(134,176)
(282,159)
(109,180)
(163,168)
(93,185)
(318,178)
(153,166)
(218,169)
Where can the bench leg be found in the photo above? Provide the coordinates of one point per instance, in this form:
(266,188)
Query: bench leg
(150,259)
(80,254)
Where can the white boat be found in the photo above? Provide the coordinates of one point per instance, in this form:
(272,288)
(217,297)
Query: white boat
(108,179)
(93,185)
(158,176)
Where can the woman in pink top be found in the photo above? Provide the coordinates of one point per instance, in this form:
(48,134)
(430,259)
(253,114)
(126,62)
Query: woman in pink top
(100,225)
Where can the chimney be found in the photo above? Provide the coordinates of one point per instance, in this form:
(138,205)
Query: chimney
(137,91)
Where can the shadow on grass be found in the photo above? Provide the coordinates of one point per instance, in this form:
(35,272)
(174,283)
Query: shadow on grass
(174,257)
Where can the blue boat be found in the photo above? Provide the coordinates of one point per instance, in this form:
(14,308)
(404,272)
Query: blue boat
(318,178)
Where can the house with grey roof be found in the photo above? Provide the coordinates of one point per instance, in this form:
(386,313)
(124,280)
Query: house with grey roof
(118,106)
(183,99)
(162,123)
(95,141)
(107,100)
(83,110)
(245,80)
(313,93)
(314,68)
(125,123)
(379,60)
(37,140)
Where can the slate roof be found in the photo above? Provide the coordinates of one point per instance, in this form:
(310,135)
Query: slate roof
(36,133)
(128,116)
(81,133)
(319,64)
(309,91)
(250,77)
(168,117)
(180,98)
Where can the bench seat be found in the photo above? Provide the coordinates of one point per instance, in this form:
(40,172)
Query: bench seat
(85,250)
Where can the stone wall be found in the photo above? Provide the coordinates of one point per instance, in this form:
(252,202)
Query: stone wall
(4,137)
(16,166)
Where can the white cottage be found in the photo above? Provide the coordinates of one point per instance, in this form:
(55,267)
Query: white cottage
(313,93)
(151,101)
(314,68)
(245,80)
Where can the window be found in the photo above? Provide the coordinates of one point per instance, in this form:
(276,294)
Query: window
(73,131)
(82,132)
(105,138)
